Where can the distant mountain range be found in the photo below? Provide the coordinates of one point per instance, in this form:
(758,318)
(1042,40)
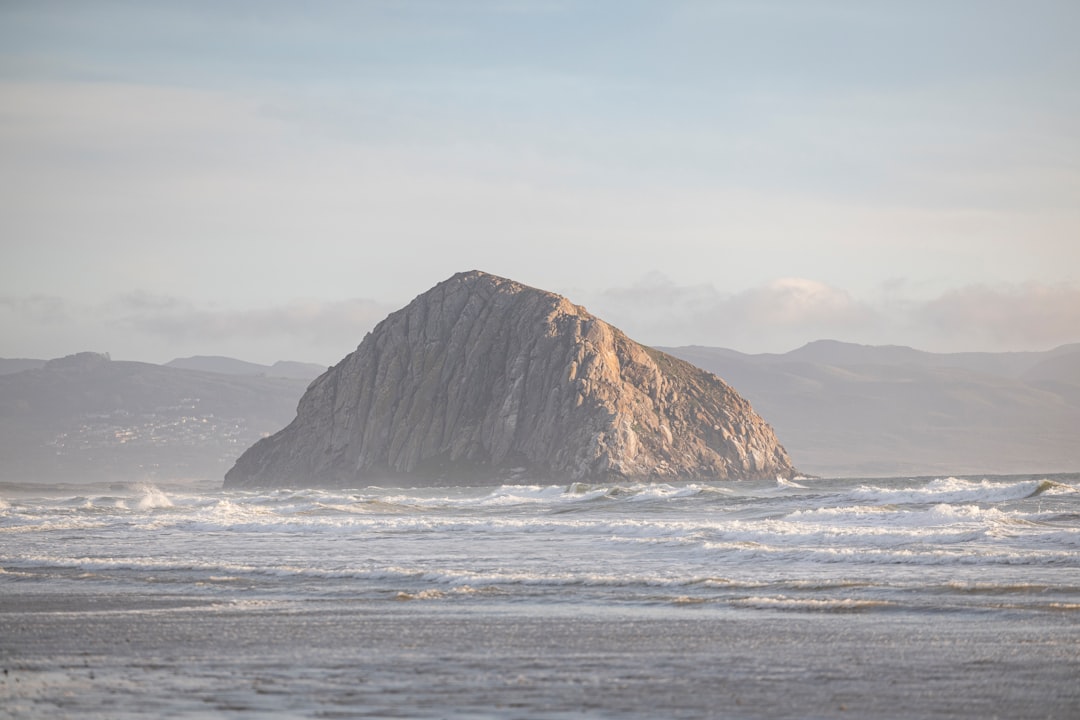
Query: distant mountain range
(88,418)
(232,366)
(205,363)
(855,410)
(839,409)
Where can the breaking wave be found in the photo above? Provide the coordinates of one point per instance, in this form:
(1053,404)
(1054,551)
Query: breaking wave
(811,546)
(956,490)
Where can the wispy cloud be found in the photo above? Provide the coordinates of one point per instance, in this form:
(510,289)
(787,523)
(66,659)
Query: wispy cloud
(130,324)
(315,321)
(1007,317)
(47,309)
(798,302)
(769,316)
(784,313)
(774,316)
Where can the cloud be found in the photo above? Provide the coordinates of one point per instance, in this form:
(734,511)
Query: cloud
(157,327)
(785,313)
(314,321)
(140,301)
(1006,317)
(45,309)
(776,315)
(798,302)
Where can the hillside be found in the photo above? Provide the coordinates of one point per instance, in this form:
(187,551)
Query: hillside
(86,417)
(850,410)
(232,366)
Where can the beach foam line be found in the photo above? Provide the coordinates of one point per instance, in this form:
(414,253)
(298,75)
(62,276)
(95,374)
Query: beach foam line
(956,490)
(784,602)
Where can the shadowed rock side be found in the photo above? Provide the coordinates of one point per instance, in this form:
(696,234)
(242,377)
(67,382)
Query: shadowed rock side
(484,380)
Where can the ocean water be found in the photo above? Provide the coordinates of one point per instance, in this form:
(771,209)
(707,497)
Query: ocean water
(878,598)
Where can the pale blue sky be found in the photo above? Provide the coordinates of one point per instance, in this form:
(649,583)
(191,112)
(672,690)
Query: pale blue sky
(268,179)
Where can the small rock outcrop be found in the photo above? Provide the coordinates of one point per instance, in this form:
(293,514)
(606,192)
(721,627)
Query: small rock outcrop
(484,380)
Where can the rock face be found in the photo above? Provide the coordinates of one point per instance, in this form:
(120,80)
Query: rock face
(484,380)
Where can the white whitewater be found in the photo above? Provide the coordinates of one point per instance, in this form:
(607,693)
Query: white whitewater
(843,544)
(883,557)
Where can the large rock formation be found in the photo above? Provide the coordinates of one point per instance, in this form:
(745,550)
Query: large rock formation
(484,380)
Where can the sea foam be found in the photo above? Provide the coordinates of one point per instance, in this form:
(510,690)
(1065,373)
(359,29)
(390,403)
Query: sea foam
(956,490)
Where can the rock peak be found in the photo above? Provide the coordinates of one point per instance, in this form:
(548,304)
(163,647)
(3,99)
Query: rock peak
(487,285)
(481,282)
(483,379)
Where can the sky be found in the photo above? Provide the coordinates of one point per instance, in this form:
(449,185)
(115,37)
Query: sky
(267,180)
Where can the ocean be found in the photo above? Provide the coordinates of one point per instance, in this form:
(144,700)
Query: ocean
(818,598)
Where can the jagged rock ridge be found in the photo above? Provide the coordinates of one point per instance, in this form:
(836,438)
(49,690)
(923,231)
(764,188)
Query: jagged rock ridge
(482,379)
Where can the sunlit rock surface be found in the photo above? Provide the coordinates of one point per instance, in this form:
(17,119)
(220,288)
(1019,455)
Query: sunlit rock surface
(484,380)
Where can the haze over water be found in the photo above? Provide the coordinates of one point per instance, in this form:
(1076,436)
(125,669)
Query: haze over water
(920,597)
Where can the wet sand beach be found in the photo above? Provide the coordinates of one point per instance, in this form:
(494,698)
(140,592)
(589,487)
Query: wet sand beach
(126,657)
